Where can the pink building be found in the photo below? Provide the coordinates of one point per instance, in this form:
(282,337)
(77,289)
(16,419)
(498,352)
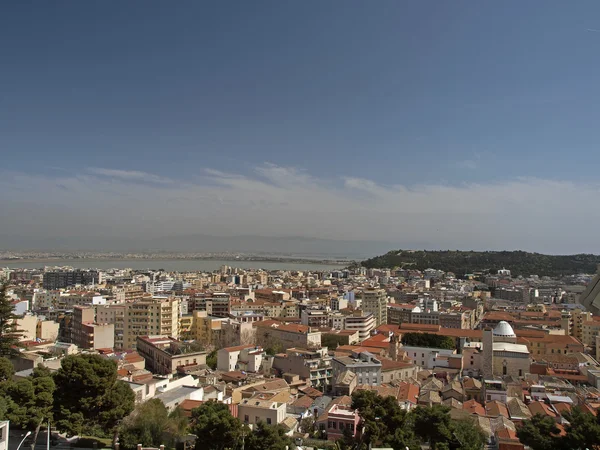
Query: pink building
(340,418)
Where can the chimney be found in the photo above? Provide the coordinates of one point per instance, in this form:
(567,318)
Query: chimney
(139,447)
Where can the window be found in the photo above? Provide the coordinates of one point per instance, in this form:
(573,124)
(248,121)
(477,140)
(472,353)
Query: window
(268,421)
(246,418)
(520,372)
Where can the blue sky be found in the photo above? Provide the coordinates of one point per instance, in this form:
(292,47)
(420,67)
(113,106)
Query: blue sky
(404,96)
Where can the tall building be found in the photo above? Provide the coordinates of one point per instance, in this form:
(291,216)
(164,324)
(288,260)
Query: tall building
(364,323)
(87,333)
(113,314)
(374,301)
(66,278)
(155,316)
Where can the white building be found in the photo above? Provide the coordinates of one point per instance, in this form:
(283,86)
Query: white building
(4,432)
(20,307)
(429,358)
(364,323)
(247,358)
(253,410)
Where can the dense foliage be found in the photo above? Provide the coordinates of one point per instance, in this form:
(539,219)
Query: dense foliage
(218,428)
(428,340)
(331,341)
(89,399)
(464,262)
(151,425)
(9,334)
(267,437)
(385,424)
(26,402)
(542,433)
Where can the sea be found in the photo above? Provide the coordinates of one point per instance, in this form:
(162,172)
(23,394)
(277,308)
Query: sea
(171,265)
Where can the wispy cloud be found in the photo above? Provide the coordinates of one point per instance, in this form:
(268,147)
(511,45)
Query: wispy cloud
(128,175)
(529,213)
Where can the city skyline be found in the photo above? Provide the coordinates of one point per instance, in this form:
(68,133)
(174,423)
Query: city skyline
(458,126)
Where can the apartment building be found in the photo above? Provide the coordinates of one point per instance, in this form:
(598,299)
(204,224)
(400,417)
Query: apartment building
(87,333)
(374,301)
(287,335)
(337,303)
(164,354)
(254,410)
(364,364)
(590,330)
(315,318)
(578,318)
(113,314)
(314,366)
(45,299)
(155,316)
(455,319)
(205,328)
(362,322)
(219,305)
(399,313)
(68,278)
(129,293)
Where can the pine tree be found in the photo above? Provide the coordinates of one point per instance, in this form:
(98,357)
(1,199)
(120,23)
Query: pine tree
(9,334)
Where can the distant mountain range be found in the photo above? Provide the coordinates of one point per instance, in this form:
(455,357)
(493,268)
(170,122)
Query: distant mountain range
(292,246)
(463,262)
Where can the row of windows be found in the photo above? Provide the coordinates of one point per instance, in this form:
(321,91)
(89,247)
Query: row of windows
(332,425)
(256,419)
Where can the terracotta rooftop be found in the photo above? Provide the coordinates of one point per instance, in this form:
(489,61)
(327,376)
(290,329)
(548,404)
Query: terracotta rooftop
(408,392)
(495,409)
(541,408)
(474,407)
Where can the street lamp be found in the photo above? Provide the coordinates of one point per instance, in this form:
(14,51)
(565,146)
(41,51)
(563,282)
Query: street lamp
(26,436)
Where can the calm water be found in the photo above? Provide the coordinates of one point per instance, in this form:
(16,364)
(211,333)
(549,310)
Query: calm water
(168,264)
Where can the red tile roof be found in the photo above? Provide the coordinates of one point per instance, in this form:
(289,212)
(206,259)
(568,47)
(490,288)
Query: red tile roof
(474,407)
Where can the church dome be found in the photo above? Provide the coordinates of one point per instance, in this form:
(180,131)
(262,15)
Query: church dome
(504,329)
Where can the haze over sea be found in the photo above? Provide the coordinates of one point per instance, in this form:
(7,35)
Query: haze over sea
(174,265)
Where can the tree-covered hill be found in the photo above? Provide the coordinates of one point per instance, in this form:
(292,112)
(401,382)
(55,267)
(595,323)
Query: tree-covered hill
(462,262)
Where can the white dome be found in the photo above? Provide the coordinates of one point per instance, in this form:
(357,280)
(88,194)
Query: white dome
(504,329)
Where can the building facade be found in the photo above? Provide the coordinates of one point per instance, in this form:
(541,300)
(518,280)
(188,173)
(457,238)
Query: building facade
(164,354)
(374,301)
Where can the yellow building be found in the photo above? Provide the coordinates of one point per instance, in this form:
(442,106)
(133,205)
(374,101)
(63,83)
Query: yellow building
(156,316)
(205,328)
(590,330)
(578,318)
(185,326)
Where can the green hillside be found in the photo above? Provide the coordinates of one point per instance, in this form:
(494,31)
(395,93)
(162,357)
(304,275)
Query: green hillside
(461,262)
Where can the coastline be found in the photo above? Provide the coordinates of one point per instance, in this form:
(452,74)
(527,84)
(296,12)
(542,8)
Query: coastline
(51,261)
